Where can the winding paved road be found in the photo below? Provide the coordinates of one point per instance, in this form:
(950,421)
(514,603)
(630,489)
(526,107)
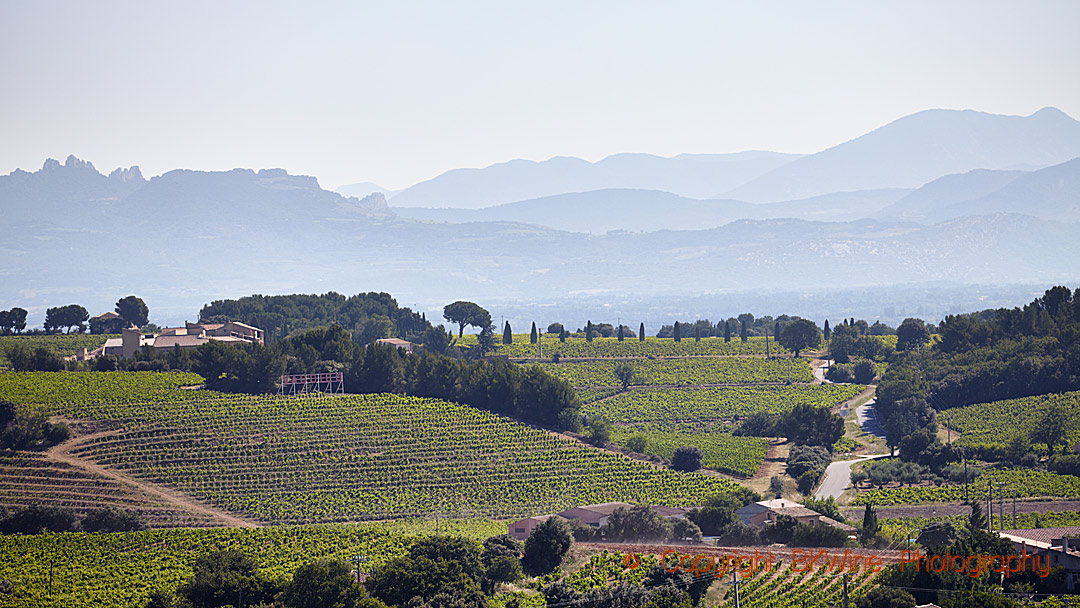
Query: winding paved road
(838,474)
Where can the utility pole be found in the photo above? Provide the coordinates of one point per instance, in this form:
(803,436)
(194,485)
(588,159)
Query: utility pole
(1014,510)
(990,508)
(735,582)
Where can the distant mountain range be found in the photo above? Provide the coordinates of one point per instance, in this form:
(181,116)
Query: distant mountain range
(184,238)
(601,211)
(906,153)
(689,175)
(187,237)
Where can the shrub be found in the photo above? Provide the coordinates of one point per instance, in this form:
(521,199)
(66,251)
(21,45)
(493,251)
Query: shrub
(686,458)
(819,535)
(841,372)
(865,371)
(637,443)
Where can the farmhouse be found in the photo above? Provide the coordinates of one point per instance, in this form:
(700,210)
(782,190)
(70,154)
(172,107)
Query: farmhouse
(192,335)
(1060,545)
(766,512)
(404,345)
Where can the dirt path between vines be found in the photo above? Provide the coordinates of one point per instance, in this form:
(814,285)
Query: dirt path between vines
(63,453)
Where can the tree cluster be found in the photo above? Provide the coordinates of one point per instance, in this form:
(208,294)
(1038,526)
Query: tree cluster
(36,519)
(71,317)
(12,321)
(28,428)
(368,316)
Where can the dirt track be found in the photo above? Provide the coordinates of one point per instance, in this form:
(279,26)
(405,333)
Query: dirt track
(63,453)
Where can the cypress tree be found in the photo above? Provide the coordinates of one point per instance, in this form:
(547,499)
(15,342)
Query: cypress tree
(743,335)
(727,331)
(697,333)
(620,333)
(677,333)
(508,335)
(563,334)
(776,331)
(828,332)
(532,336)
(588,331)
(852,322)
(870,526)
(976,521)
(641,332)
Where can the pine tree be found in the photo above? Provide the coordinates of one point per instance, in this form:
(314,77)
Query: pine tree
(641,332)
(743,335)
(677,333)
(508,335)
(727,331)
(532,335)
(828,332)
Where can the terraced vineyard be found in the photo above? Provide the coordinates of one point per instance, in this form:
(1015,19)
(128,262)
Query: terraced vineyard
(705,370)
(720,449)
(356,457)
(1027,483)
(62,344)
(1000,421)
(630,347)
(715,403)
(68,388)
(29,478)
(121,570)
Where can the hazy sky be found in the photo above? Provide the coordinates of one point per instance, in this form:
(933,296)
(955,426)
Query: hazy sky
(397,92)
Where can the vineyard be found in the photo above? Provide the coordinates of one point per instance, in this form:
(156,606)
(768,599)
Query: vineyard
(64,345)
(630,347)
(693,371)
(121,570)
(721,450)
(1027,484)
(356,457)
(715,403)
(65,388)
(1001,421)
(29,478)
(783,587)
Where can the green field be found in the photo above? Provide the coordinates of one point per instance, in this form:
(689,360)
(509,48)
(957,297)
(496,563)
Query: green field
(684,372)
(720,449)
(120,570)
(67,389)
(1027,483)
(64,345)
(1001,421)
(715,403)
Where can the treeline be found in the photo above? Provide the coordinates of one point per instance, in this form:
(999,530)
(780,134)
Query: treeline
(981,357)
(527,393)
(369,316)
(36,519)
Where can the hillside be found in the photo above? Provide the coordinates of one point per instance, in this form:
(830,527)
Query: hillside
(689,175)
(600,211)
(354,457)
(919,148)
